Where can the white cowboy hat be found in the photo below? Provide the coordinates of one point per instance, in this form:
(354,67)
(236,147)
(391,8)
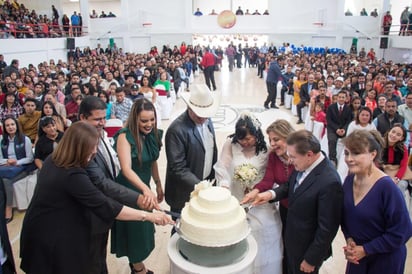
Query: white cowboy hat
(202,101)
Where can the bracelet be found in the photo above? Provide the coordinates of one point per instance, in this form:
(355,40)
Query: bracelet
(143,217)
(157,181)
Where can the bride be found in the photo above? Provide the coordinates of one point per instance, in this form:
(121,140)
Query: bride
(242,164)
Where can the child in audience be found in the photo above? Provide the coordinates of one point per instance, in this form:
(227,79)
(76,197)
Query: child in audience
(320,115)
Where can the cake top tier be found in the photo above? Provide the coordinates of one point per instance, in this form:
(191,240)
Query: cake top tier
(215,194)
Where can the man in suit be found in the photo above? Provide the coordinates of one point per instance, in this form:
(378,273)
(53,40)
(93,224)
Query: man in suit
(273,76)
(102,170)
(360,86)
(315,196)
(6,254)
(304,95)
(338,117)
(191,146)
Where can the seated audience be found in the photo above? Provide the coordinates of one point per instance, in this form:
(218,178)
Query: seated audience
(49,110)
(122,106)
(48,139)
(10,107)
(16,159)
(105,98)
(29,120)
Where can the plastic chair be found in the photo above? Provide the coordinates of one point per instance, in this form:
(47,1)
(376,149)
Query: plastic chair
(165,103)
(113,126)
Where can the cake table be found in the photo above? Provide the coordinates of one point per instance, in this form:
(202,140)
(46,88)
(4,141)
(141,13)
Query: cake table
(180,265)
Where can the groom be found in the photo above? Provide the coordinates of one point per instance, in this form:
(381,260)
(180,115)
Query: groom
(191,149)
(315,201)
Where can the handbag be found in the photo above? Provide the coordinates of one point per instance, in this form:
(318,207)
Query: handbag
(391,171)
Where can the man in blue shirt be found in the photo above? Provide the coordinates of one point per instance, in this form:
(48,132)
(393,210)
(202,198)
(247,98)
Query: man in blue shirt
(273,76)
(75,24)
(198,13)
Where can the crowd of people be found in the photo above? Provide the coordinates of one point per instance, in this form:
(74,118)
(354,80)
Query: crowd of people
(239,11)
(60,109)
(363,12)
(405,23)
(94,14)
(17,21)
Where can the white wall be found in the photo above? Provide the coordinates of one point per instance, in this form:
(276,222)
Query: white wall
(173,22)
(34,51)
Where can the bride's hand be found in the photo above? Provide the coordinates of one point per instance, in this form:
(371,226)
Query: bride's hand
(250,197)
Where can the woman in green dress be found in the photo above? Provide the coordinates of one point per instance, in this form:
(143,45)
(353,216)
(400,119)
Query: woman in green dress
(138,146)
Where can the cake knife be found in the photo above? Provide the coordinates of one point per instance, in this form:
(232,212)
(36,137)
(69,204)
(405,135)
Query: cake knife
(247,207)
(171,213)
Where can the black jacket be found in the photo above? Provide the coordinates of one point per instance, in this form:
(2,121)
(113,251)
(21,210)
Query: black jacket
(185,160)
(4,235)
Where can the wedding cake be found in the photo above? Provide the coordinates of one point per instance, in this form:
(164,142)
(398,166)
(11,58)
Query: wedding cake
(213,217)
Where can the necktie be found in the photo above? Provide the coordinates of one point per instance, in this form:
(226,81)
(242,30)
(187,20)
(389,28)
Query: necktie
(298,177)
(340,110)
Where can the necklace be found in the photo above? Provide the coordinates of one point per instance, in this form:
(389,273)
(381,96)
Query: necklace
(285,163)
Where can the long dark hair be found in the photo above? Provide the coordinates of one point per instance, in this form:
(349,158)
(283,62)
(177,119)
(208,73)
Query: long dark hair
(248,124)
(133,123)
(19,133)
(45,121)
(16,101)
(401,144)
(55,113)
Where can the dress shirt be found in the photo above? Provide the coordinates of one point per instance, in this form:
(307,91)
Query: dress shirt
(304,173)
(3,256)
(406,112)
(208,144)
(122,109)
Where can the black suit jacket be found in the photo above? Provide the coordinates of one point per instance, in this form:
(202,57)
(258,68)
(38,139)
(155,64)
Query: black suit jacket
(336,121)
(185,159)
(55,236)
(304,92)
(99,173)
(313,215)
(3,228)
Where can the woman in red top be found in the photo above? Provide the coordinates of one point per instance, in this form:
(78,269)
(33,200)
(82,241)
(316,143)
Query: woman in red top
(278,169)
(371,55)
(183,48)
(370,99)
(387,22)
(395,152)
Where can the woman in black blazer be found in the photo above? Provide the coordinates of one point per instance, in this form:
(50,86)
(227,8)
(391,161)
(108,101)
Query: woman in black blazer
(56,231)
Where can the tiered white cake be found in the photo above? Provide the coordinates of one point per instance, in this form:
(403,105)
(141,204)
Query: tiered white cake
(213,217)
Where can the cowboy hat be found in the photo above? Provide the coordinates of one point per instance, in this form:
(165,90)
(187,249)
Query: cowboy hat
(202,101)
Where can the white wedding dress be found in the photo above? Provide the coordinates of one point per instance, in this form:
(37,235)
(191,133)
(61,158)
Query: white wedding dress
(149,96)
(264,220)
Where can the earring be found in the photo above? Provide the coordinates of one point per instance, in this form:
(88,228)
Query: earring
(370,169)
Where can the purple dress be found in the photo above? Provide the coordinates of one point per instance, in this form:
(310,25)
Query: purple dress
(380,222)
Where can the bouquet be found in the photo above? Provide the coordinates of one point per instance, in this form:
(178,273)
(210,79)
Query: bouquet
(246,175)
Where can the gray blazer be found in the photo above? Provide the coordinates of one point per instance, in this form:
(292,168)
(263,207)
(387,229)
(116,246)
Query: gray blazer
(185,159)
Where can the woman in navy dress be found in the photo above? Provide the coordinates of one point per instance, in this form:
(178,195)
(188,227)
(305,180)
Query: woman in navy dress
(375,220)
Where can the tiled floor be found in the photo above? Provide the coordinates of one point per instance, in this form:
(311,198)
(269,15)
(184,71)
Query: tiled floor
(241,89)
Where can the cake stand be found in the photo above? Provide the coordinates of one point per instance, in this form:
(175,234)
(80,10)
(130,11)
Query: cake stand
(239,258)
